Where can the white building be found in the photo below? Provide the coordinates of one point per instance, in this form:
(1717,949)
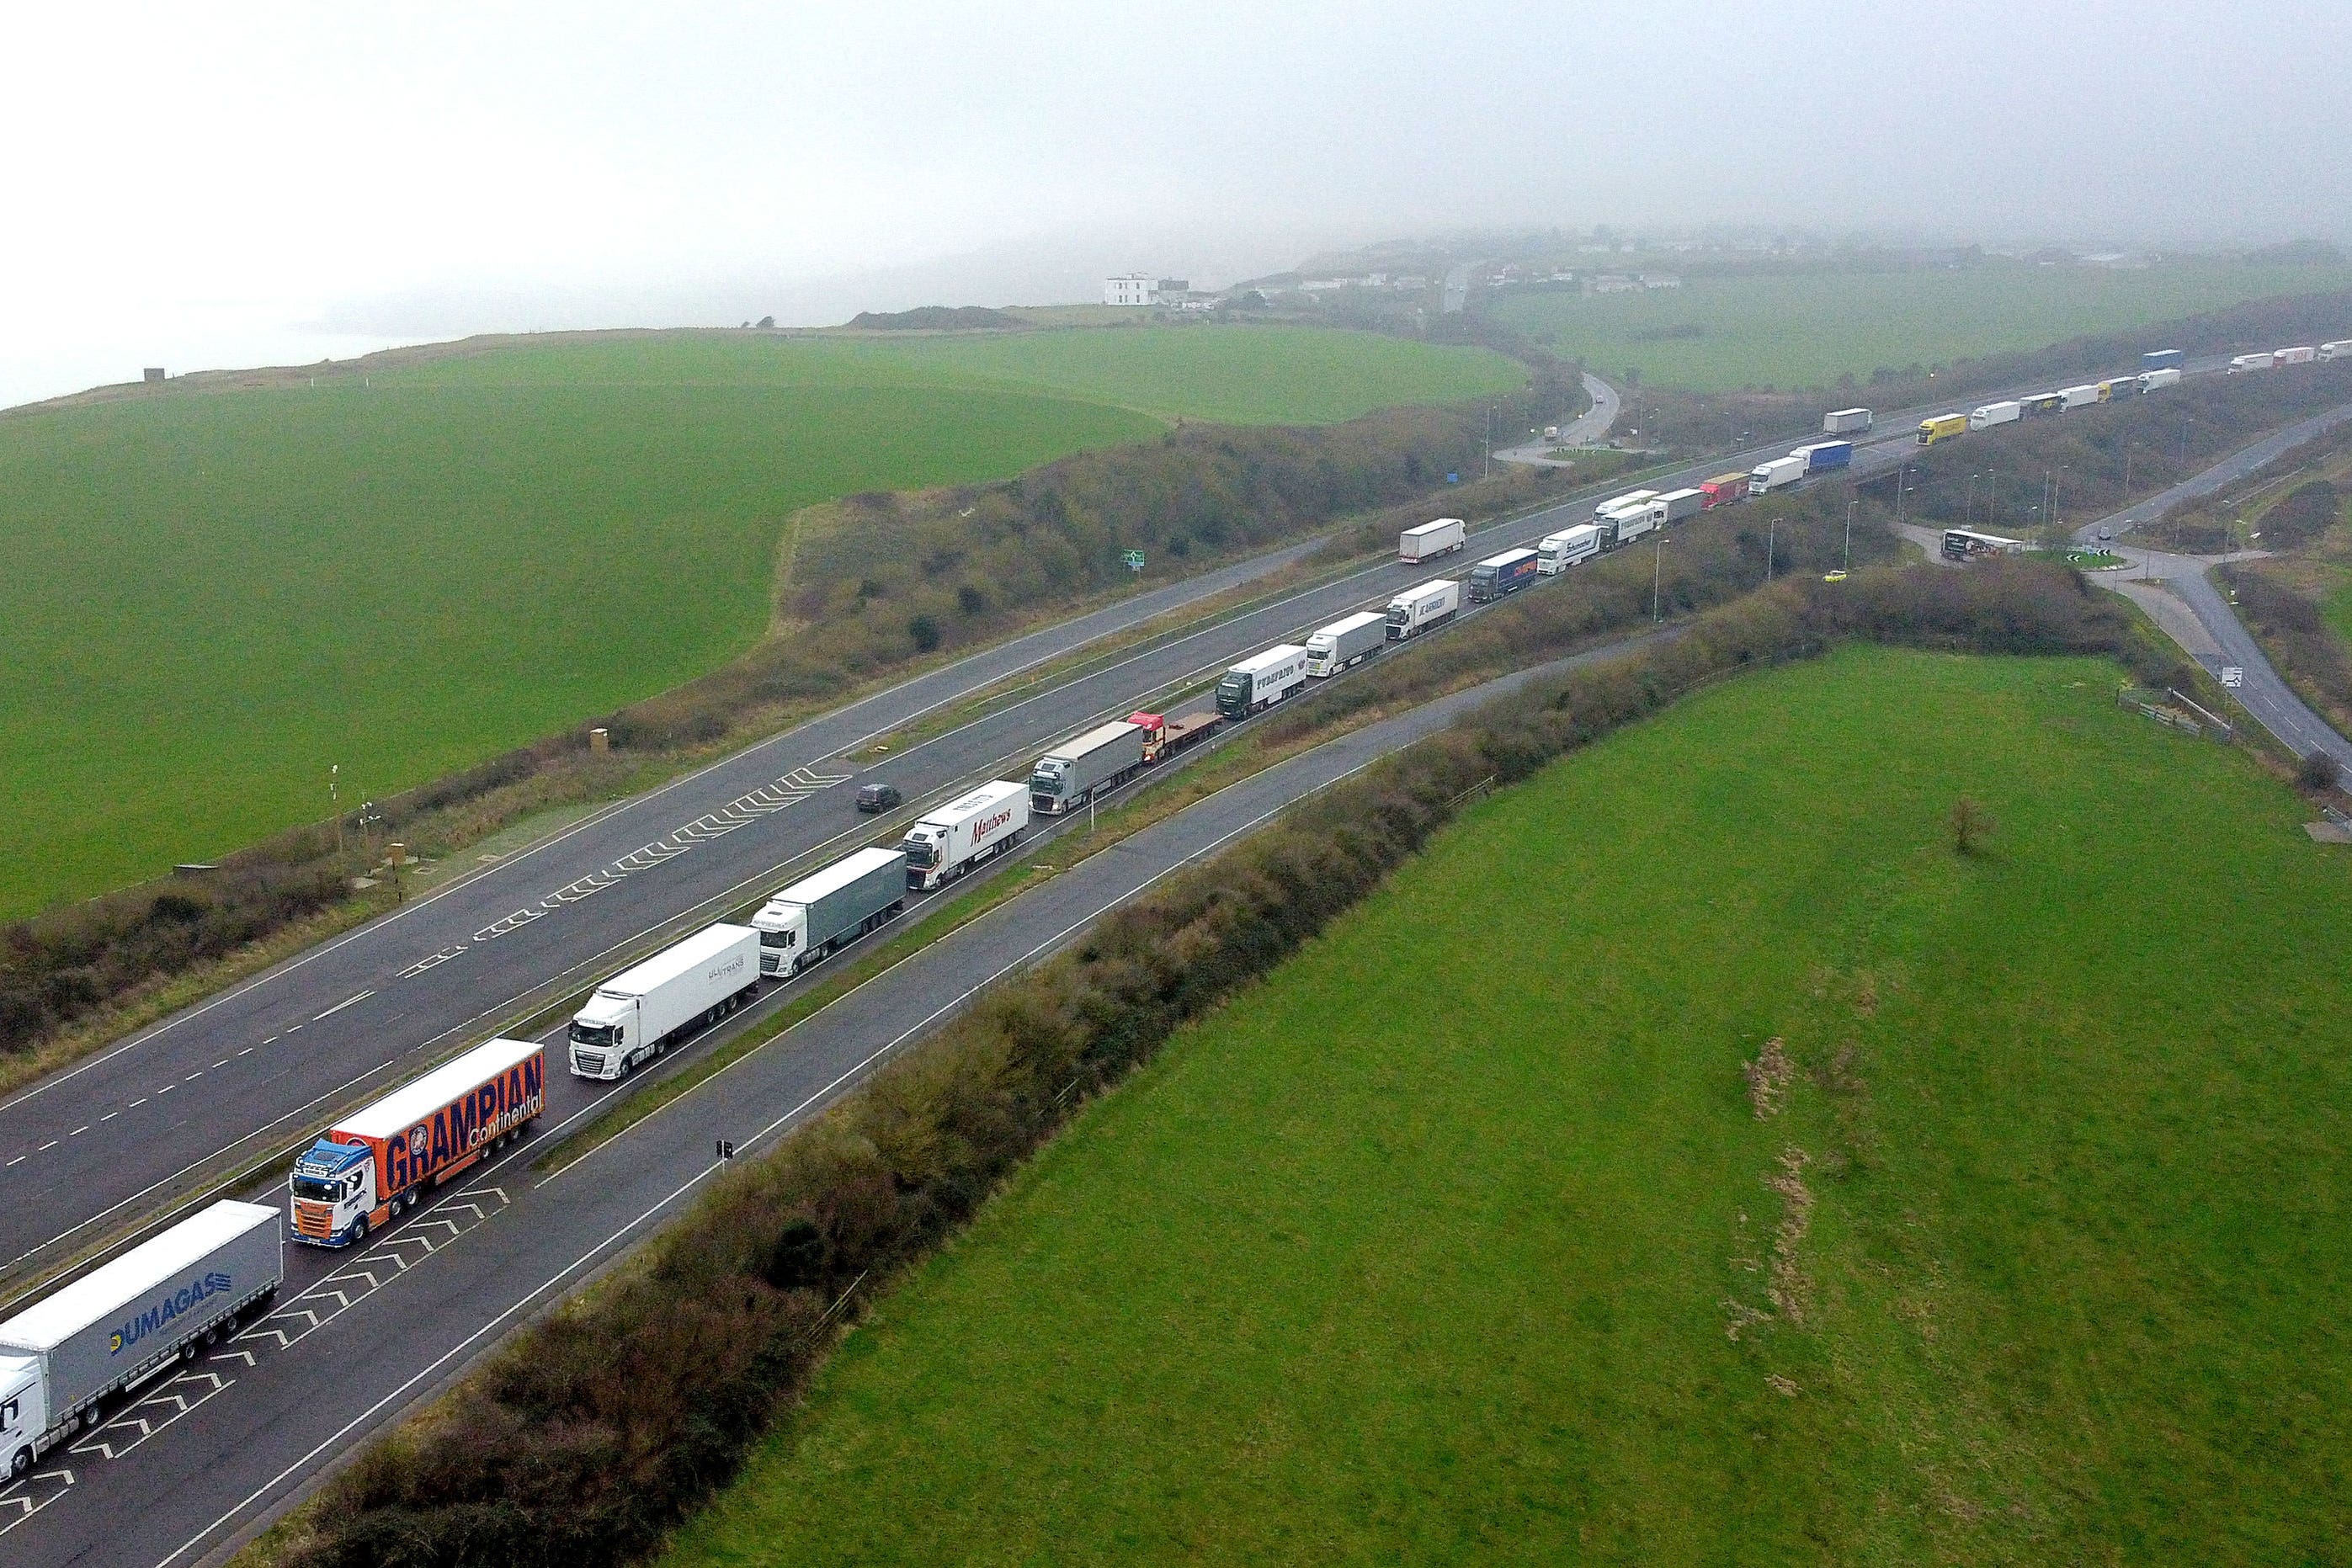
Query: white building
(1130,289)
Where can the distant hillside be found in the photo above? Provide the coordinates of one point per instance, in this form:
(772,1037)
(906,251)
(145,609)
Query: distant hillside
(932,318)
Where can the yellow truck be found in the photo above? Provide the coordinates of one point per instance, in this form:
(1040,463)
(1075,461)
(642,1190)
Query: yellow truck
(1942,427)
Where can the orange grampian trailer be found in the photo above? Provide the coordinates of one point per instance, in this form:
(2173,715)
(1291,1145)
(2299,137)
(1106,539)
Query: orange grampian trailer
(374,1165)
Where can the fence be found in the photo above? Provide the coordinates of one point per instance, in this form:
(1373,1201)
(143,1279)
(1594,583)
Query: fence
(2172,709)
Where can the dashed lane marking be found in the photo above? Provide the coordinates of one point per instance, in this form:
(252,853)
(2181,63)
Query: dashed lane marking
(28,1497)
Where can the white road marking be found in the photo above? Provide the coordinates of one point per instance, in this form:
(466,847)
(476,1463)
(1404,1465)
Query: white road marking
(338,1007)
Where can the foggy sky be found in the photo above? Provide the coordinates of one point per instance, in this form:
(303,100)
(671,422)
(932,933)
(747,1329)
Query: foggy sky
(242,183)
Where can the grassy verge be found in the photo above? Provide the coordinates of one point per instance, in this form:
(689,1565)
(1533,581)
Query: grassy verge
(2015,1250)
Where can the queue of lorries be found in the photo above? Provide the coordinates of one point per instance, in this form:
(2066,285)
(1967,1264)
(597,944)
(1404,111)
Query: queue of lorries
(131,1321)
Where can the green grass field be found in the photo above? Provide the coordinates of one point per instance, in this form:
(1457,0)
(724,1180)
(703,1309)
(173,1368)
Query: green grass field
(216,597)
(1430,1249)
(1808,331)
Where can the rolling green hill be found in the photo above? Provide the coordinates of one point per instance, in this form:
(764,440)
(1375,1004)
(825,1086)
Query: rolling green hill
(1462,1239)
(216,596)
(1720,334)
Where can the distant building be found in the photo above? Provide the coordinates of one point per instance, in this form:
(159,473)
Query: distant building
(153,375)
(1661,280)
(1131,288)
(1614,283)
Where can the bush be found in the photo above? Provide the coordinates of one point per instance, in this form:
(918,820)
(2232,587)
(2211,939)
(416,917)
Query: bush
(2317,771)
(589,1435)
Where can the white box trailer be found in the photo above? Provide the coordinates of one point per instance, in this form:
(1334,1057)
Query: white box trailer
(1675,505)
(965,831)
(1426,540)
(2260,361)
(1262,680)
(634,1016)
(2007,412)
(1334,647)
(1416,610)
(2302,355)
(1085,766)
(2083,396)
(2151,379)
(1777,475)
(822,913)
(1845,421)
(128,1321)
(2341,349)
(1615,505)
(1558,551)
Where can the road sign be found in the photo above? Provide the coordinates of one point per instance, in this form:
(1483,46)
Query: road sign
(2234,677)
(1134,560)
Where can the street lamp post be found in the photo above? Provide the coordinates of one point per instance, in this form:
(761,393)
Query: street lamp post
(1772,538)
(1657,569)
(1847,565)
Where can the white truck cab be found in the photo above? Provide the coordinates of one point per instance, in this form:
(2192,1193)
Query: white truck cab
(605,1037)
(22,1415)
(784,935)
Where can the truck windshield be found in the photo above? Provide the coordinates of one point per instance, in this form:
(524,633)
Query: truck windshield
(767,939)
(318,1189)
(591,1033)
(919,854)
(1400,616)
(1046,781)
(1234,688)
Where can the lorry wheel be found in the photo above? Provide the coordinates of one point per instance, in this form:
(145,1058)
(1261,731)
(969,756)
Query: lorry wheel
(20,1464)
(359,1230)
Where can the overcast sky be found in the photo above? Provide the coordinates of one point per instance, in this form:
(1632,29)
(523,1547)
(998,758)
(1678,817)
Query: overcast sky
(231,182)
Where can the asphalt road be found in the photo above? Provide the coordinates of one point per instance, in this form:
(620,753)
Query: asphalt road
(263,1067)
(2225,642)
(1583,430)
(356,1339)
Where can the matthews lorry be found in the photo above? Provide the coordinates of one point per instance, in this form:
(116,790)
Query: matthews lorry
(1558,552)
(2240,363)
(1429,540)
(950,841)
(1346,642)
(1675,505)
(1777,475)
(2151,379)
(375,1163)
(1938,427)
(1085,766)
(2299,356)
(633,1017)
(127,1321)
(1845,421)
(2007,412)
(2162,359)
(827,910)
(1163,736)
(1723,489)
(1501,574)
(1416,610)
(1262,680)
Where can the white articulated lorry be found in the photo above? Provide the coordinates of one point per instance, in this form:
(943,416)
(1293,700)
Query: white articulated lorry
(2260,361)
(1675,505)
(1334,647)
(1845,421)
(128,1321)
(965,831)
(633,1017)
(1558,552)
(1443,537)
(826,910)
(1261,681)
(2009,411)
(1609,510)
(1777,475)
(2083,396)
(1085,766)
(1416,610)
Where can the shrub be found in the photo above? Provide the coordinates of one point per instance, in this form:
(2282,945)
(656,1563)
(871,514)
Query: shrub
(2317,771)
